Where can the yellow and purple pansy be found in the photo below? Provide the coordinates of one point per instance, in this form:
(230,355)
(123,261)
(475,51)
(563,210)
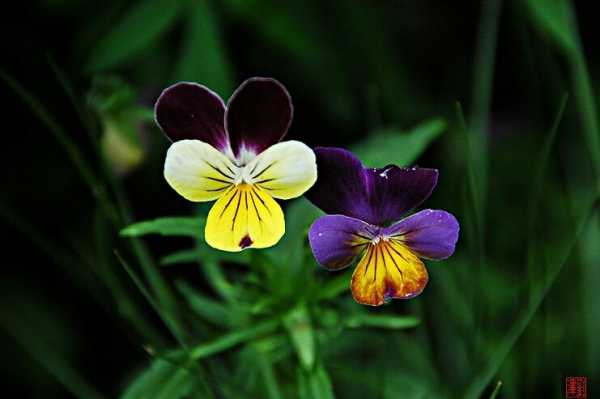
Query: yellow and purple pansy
(231,153)
(364,207)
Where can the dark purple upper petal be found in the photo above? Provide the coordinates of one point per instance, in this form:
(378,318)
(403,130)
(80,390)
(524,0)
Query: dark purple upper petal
(430,233)
(336,240)
(188,110)
(377,196)
(258,115)
(393,191)
(340,187)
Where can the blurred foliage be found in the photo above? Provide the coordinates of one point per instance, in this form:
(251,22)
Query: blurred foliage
(509,315)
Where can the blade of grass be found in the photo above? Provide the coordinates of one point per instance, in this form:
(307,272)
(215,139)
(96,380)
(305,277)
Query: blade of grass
(108,269)
(69,90)
(268,376)
(211,269)
(482,92)
(390,321)
(86,172)
(542,163)
(496,390)
(474,218)
(208,308)
(70,263)
(537,188)
(165,316)
(558,18)
(315,384)
(166,226)
(502,350)
(336,286)
(473,187)
(46,354)
(587,108)
(171,324)
(590,253)
(119,215)
(135,31)
(302,335)
(234,338)
(203,57)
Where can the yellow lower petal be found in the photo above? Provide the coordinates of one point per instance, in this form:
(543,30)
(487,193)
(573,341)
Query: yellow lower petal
(244,217)
(387,270)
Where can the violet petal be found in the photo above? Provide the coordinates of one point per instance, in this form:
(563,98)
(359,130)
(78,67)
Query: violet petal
(336,240)
(431,234)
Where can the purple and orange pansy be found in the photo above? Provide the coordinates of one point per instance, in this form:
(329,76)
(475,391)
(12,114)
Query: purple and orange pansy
(365,207)
(231,153)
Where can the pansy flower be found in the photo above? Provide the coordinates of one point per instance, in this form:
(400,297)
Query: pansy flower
(231,153)
(364,207)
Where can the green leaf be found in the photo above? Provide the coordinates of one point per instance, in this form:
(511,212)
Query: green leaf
(496,358)
(382,321)
(234,338)
(204,254)
(496,390)
(555,18)
(203,58)
(207,308)
(389,146)
(299,327)
(336,285)
(590,253)
(166,226)
(168,315)
(36,327)
(162,379)
(411,386)
(137,30)
(315,384)
(265,366)
(179,257)
(291,251)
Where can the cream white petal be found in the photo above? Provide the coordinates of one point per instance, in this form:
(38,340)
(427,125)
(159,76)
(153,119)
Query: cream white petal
(284,170)
(198,171)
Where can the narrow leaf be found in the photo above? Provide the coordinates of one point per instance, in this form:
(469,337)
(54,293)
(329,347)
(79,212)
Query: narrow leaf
(502,350)
(234,338)
(203,57)
(382,321)
(553,18)
(298,324)
(207,308)
(136,31)
(166,226)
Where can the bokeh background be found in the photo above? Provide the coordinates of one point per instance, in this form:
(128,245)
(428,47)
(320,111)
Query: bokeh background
(500,96)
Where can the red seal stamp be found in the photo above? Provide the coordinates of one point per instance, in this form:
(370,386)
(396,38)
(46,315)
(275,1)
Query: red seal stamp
(576,388)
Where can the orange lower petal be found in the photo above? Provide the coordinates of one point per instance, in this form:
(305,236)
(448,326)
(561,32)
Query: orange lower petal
(388,270)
